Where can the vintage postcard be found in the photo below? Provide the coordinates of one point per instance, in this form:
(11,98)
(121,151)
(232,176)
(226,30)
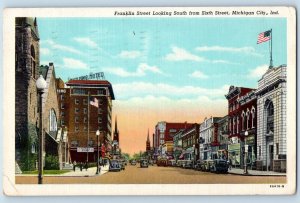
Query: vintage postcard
(150,101)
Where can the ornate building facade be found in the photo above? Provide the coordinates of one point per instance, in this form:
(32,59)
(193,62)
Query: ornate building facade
(271,120)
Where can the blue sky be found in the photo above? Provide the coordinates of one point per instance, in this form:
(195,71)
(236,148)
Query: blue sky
(196,52)
(162,69)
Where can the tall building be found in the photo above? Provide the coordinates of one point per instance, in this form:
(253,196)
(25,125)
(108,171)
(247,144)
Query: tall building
(190,142)
(27,60)
(86,106)
(271,120)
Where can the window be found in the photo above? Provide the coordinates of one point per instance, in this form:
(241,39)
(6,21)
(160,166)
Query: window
(243,121)
(76,119)
(79,91)
(62,113)
(62,106)
(99,120)
(85,101)
(76,128)
(52,121)
(33,148)
(62,97)
(74,143)
(91,143)
(85,110)
(101,102)
(100,110)
(277,148)
(62,122)
(101,92)
(76,110)
(270,117)
(248,118)
(76,101)
(237,124)
(85,119)
(252,117)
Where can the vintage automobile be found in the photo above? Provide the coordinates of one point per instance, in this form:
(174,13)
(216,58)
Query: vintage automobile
(219,166)
(171,162)
(122,164)
(161,162)
(188,164)
(144,163)
(151,162)
(133,162)
(180,163)
(205,165)
(114,165)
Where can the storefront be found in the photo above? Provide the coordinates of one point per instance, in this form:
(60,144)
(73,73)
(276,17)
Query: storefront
(251,156)
(234,154)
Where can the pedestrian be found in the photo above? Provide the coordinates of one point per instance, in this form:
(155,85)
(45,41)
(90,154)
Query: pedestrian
(80,165)
(229,164)
(74,165)
(86,165)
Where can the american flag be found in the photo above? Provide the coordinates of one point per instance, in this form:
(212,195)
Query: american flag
(94,102)
(264,36)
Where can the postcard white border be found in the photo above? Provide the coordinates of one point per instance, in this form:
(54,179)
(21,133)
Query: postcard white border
(9,186)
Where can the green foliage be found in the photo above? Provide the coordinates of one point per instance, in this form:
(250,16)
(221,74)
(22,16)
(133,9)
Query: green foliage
(51,163)
(27,161)
(45,172)
(126,156)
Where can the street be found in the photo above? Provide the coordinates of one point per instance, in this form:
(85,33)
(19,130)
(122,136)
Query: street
(156,175)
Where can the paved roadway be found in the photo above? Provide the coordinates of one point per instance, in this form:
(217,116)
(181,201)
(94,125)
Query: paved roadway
(156,175)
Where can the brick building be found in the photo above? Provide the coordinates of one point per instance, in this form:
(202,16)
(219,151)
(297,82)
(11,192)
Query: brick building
(190,142)
(248,115)
(83,120)
(237,116)
(163,137)
(271,120)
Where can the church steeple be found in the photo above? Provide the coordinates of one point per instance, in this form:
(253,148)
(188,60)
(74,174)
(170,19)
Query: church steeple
(148,147)
(116,131)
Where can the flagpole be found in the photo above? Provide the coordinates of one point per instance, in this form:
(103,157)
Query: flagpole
(271,59)
(88,135)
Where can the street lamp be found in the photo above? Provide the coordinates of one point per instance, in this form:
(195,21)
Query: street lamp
(246,154)
(97,135)
(41,84)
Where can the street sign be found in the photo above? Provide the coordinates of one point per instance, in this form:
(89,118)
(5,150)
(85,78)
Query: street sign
(85,149)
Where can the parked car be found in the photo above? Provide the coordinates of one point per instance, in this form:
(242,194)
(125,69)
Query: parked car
(219,166)
(188,164)
(133,162)
(114,165)
(206,164)
(122,164)
(151,162)
(198,165)
(180,163)
(161,162)
(172,162)
(144,163)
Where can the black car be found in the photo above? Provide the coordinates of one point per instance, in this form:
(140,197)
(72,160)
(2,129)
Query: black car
(144,163)
(219,166)
(133,162)
(114,165)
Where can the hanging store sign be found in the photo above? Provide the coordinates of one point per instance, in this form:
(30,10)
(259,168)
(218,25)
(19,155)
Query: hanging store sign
(85,149)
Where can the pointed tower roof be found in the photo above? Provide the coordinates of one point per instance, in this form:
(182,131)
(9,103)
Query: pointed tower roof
(116,125)
(148,140)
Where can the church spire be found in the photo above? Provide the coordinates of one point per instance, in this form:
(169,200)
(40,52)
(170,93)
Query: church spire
(116,125)
(148,140)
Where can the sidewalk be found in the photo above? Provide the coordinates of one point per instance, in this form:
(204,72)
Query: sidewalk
(86,173)
(238,171)
(77,173)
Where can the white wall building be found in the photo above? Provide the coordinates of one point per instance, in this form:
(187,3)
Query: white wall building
(271,120)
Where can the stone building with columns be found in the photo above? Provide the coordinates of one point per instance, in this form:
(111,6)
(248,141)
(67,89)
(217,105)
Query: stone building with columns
(271,120)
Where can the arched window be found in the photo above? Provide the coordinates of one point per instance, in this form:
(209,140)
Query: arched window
(52,121)
(247,119)
(253,116)
(243,120)
(32,53)
(270,117)
(237,124)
